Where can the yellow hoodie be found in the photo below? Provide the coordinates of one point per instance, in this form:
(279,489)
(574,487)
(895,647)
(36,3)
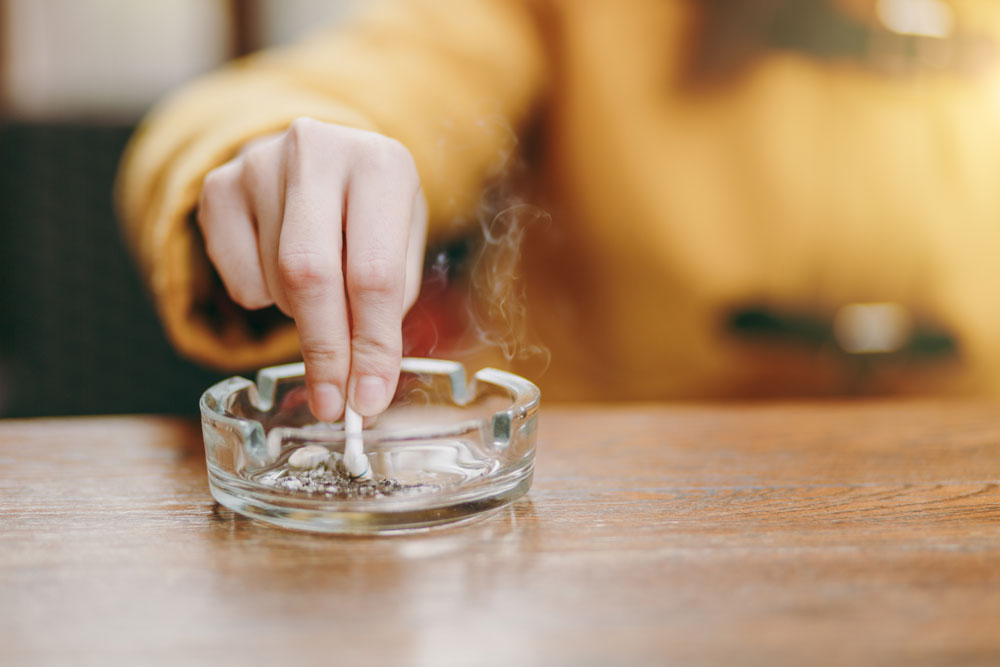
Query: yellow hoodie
(799,185)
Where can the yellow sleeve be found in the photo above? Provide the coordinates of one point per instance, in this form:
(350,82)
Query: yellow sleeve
(451,79)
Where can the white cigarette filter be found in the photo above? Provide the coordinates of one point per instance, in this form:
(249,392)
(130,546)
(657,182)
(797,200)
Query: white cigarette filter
(355,461)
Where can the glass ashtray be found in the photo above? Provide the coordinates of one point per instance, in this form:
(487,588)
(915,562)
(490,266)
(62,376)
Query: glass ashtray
(446,450)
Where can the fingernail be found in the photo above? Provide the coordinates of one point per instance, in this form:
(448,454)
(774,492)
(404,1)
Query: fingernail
(368,396)
(327,401)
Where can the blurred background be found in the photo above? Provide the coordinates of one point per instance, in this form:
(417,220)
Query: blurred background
(77,332)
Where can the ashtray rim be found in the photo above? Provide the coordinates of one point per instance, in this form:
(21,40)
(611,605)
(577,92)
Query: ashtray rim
(515,423)
(525,399)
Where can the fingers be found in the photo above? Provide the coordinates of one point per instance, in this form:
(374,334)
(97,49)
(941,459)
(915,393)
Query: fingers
(230,237)
(263,180)
(310,273)
(276,220)
(377,233)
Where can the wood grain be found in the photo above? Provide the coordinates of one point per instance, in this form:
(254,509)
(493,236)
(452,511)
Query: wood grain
(800,533)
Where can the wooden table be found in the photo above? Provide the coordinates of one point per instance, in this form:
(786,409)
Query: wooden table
(799,533)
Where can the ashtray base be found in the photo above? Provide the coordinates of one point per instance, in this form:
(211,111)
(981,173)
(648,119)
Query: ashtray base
(433,512)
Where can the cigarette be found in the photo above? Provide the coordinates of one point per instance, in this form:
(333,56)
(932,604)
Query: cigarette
(355,461)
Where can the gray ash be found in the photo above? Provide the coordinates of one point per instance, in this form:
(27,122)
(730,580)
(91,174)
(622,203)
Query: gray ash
(335,485)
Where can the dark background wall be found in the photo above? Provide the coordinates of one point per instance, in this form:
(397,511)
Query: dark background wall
(78,334)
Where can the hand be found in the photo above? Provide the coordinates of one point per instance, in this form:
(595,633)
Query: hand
(329,223)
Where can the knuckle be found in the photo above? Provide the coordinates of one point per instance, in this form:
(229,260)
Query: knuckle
(331,357)
(304,270)
(301,130)
(213,181)
(255,169)
(391,150)
(376,354)
(382,154)
(375,274)
(309,149)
